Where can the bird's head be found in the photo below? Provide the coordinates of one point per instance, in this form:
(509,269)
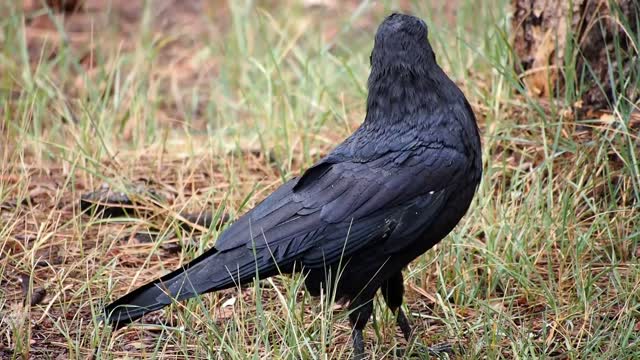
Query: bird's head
(401,41)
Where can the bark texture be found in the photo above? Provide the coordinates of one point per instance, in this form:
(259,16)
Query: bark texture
(548,32)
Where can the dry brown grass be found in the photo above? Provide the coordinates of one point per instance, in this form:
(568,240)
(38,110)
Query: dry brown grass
(213,107)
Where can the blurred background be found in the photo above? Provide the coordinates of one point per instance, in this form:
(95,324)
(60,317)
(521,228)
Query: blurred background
(185,106)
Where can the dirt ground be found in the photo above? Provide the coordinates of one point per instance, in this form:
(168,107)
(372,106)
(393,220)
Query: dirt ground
(90,27)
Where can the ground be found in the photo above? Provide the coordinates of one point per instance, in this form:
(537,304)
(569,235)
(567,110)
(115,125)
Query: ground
(214,104)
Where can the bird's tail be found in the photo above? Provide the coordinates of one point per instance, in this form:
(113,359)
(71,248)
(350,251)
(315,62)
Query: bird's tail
(211,271)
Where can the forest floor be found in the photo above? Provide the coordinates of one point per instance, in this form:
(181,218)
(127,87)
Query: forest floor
(214,104)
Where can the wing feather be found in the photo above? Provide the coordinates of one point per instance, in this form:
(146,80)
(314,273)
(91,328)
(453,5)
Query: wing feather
(337,208)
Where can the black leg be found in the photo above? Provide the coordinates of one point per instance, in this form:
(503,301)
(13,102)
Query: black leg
(359,314)
(358,345)
(392,292)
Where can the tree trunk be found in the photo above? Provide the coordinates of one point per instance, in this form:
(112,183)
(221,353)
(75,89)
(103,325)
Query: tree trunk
(584,48)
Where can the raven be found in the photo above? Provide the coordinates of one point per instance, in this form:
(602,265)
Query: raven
(387,194)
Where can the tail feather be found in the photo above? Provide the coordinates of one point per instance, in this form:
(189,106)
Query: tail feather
(211,271)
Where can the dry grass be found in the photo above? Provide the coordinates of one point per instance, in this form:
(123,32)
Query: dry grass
(214,104)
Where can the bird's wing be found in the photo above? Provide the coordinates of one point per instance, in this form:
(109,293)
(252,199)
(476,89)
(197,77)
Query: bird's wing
(337,207)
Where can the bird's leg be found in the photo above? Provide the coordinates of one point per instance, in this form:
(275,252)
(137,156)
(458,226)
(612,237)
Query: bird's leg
(359,314)
(392,292)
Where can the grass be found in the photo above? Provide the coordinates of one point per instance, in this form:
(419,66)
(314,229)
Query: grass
(216,108)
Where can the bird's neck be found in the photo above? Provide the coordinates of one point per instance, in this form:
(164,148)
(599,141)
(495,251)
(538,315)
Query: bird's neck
(398,94)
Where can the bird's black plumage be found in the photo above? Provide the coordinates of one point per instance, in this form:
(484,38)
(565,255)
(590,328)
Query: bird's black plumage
(387,194)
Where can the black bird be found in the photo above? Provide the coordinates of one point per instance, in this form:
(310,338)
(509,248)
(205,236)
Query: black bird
(388,193)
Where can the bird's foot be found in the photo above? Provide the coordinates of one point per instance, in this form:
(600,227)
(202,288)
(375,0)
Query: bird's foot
(437,351)
(440,349)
